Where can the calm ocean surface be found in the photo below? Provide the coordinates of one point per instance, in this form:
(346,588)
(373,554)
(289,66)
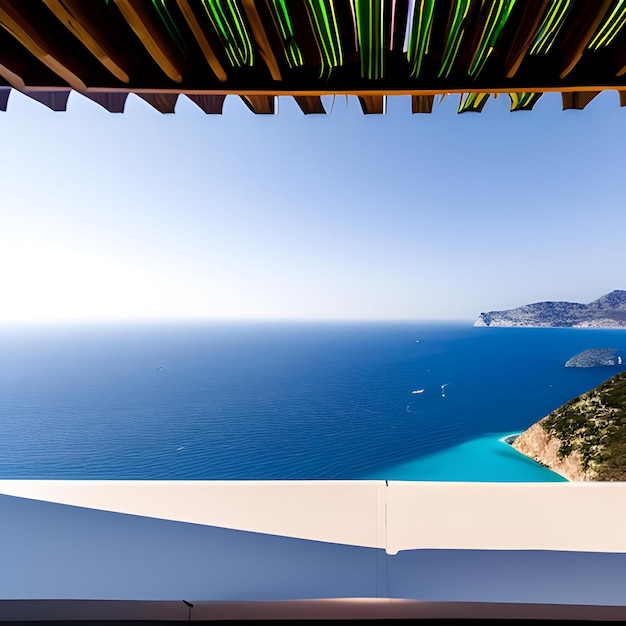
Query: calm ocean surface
(284,400)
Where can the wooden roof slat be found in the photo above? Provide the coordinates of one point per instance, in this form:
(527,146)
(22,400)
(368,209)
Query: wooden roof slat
(260,36)
(162,102)
(534,11)
(620,60)
(577,99)
(264,105)
(327,36)
(588,22)
(419,36)
(207,50)
(422,104)
(54,100)
(12,78)
(18,25)
(308,48)
(4,97)
(72,15)
(494,18)
(113,102)
(160,49)
(211,104)
(373,105)
(622,98)
(372,38)
(456,29)
(310,104)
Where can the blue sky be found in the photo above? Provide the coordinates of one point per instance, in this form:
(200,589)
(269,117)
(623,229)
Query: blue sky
(144,216)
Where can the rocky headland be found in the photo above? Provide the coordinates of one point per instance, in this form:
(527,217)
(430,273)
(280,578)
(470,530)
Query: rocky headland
(585,439)
(608,311)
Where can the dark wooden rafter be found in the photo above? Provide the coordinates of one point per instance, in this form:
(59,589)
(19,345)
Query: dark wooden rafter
(107,49)
(264,105)
(113,102)
(461,61)
(310,104)
(72,15)
(577,99)
(422,104)
(198,33)
(530,20)
(474,25)
(161,50)
(261,39)
(18,25)
(12,78)
(54,100)
(210,104)
(162,102)
(372,104)
(587,21)
(621,59)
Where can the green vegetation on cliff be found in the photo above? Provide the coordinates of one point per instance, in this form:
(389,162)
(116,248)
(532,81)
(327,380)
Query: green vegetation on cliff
(594,425)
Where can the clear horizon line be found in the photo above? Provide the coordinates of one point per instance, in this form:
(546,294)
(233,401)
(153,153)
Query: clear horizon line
(208,320)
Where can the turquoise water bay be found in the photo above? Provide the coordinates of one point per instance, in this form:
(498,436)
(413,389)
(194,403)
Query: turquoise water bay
(272,401)
(484,459)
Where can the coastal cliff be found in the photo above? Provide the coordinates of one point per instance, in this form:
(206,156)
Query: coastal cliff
(608,311)
(539,446)
(585,439)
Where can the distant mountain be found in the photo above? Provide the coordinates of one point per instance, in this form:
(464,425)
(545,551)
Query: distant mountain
(608,311)
(585,439)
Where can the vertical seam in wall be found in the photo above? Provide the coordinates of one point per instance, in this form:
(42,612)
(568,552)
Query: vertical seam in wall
(387,556)
(382,558)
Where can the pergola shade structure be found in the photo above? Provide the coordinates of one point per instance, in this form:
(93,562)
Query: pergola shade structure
(260,49)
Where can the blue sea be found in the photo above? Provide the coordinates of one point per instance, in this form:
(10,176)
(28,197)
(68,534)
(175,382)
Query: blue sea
(276,401)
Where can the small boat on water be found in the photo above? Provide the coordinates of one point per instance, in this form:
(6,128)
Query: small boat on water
(418,391)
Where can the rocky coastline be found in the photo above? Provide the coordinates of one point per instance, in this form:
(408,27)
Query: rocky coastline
(536,444)
(585,439)
(608,311)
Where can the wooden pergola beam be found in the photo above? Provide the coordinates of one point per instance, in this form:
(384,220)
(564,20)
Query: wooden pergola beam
(422,104)
(12,78)
(260,36)
(19,26)
(135,12)
(589,22)
(533,13)
(210,104)
(263,105)
(310,104)
(162,102)
(373,105)
(203,42)
(72,15)
(577,99)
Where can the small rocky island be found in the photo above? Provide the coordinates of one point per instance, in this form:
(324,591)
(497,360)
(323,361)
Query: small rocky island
(608,311)
(585,439)
(595,357)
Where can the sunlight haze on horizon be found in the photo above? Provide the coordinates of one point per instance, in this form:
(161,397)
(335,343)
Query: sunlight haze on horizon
(144,216)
